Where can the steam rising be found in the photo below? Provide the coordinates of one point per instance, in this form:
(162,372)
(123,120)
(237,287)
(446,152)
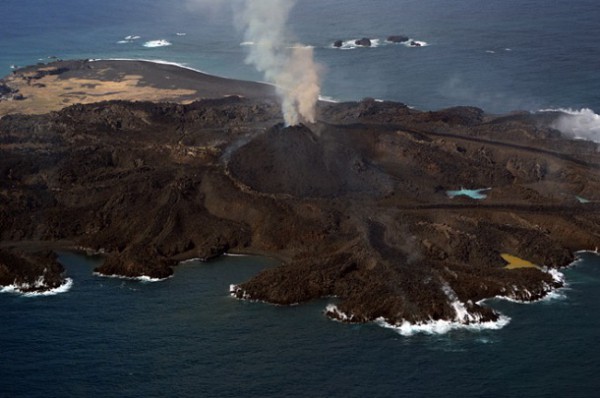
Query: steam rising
(290,67)
(581,124)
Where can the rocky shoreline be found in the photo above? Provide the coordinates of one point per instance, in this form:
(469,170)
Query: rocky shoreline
(355,204)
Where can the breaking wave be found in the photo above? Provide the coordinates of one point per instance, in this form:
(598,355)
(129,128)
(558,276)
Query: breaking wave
(22,289)
(129,39)
(326,98)
(414,43)
(237,292)
(442,326)
(581,124)
(351,44)
(463,321)
(551,292)
(157,43)
(142,278)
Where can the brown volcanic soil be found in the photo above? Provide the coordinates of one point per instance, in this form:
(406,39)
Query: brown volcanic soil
(354,205)
(51,87)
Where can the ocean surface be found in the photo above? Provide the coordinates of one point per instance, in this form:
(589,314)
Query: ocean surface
(186,337)
(500,55)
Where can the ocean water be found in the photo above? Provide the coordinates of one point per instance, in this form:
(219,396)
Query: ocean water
(501,55)
(186,337)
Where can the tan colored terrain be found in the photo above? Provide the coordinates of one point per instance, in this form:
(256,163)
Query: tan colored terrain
(50,93)
(47,88)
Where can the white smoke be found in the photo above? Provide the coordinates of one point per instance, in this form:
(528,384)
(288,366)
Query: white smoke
(580,124)
(298,84)
(290,67)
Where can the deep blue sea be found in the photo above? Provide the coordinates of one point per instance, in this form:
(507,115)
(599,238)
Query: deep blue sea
(186,337)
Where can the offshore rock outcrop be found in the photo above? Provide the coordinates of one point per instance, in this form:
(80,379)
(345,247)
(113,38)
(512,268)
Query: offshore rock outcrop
(398,39)
(354,205)
(30,273)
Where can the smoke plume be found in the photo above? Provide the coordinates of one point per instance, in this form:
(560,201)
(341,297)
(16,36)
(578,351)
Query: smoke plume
(290,67)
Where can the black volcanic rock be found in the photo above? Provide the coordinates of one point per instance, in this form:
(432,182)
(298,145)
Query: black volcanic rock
(397,39)
(30,272)
(365,42)
(4,89)
(338,43)
(415,44)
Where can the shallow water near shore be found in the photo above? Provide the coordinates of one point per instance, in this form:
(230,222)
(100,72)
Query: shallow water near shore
(186,337)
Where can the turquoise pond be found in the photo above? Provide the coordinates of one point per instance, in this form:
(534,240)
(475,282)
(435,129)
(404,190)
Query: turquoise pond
(471,193)
(582,200)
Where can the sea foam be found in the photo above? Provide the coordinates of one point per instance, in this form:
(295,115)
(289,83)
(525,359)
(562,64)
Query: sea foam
(129,39)
(22,289)
(142,278)
(157,43)
(237,292)
(351,44)
(326,98)
(415,43)
(463,319)
(551,292)
(442,326)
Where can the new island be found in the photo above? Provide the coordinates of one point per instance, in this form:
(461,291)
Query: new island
(403,215)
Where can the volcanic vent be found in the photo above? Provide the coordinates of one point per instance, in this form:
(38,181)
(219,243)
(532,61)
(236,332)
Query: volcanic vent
(299,162)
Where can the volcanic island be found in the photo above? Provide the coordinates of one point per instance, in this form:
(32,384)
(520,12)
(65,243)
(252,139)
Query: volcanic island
(400,214)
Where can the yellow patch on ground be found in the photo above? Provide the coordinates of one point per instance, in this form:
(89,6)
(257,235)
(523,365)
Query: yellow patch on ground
(50,93)
(515,262)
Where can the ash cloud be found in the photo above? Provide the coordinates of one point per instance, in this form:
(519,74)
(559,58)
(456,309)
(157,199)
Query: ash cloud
(290,67)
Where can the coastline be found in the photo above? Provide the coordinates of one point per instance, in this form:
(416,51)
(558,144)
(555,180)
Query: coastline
(39,89)
(354,206)
(405,328)
(179,65)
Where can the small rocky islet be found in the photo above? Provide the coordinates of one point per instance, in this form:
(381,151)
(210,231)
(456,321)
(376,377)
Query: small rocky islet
(368,42)
(355,205)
